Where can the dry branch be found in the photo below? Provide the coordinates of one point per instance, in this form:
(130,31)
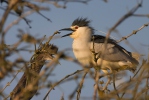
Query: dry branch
(133,33)
(31,75)
(124,17)
(8,84)
(81,84)
(57,83)
(11,4)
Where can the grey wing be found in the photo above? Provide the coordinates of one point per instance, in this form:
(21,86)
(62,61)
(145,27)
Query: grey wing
(113,52)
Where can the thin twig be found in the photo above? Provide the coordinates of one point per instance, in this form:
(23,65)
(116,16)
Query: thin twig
(73,93)
(141,15)
(140,77)
(44,16)
(17,20)
(141,93)
(25,19)
(81,84)
(96,86)
(124,17)
(115,86)
(137,84)
(8,84)
(57,83)
(133,33)
(134,77)
(50,38)
(147,85)
(12,3)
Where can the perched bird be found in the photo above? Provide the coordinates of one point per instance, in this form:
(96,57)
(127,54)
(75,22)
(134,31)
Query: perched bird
(90,49)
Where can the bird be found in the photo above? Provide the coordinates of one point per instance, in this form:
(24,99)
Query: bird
(91,49)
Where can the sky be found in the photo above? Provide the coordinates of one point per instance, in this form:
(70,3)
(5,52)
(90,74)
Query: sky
(102,15)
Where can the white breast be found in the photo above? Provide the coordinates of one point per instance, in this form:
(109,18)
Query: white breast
(81,51)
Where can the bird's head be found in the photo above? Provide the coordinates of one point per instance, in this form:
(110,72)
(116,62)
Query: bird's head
(80,28)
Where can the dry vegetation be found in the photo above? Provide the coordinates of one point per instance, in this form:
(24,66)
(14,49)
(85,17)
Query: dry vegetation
(34,74)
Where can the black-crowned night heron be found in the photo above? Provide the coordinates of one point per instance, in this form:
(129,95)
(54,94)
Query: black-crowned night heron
(114,57)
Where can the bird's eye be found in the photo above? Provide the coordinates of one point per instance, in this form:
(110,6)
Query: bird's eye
(76,27)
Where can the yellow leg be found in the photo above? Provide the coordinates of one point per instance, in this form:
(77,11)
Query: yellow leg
(109,79)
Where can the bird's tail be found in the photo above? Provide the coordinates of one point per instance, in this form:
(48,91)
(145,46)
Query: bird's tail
(136,55)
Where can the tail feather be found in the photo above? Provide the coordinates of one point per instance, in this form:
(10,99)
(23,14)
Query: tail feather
(136,55)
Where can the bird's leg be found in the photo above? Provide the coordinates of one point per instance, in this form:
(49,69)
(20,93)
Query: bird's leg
(109,79)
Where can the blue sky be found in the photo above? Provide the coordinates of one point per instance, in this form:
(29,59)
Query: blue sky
(103,16)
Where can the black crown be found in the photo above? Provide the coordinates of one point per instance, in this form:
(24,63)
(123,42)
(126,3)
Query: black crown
(81,22)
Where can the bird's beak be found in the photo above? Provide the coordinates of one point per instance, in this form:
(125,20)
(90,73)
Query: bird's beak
(66,29)
(66,35)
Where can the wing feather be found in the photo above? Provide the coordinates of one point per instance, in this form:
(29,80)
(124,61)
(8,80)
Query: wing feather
(113,51)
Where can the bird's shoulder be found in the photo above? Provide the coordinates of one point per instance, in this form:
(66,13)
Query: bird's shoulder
(101,39)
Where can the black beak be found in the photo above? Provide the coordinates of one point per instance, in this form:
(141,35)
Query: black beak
(66,29)
(66,35)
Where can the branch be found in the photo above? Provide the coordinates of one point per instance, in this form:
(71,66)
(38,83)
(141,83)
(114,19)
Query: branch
(81,84)
(125,87)
(17,21)
(11,4)
(57,83)
(96,86)
(124,17)
(133,33)
(25,19)
(141,15)
(31,75)
(8,84)
(115,86)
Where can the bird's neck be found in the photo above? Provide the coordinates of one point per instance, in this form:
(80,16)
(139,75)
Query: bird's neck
(81,43)
(84,34)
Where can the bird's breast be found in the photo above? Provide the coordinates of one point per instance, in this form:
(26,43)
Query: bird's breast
(82,51)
